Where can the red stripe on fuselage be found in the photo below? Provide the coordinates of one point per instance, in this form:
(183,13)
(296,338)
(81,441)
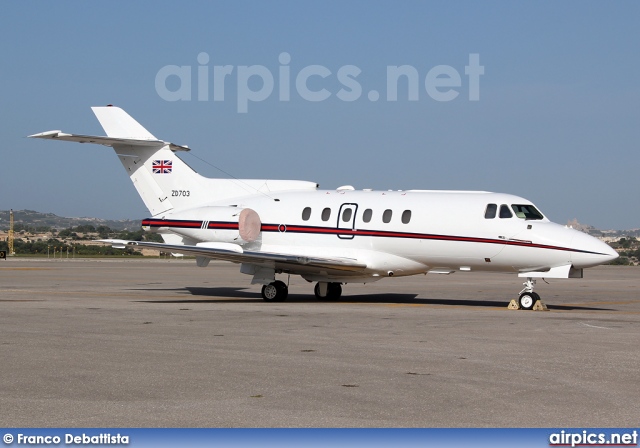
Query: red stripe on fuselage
(351,232)
(185,224)
(223,225)
(171,223)
(422,236)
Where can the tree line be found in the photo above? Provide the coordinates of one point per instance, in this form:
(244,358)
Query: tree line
(66,240)
(629,250)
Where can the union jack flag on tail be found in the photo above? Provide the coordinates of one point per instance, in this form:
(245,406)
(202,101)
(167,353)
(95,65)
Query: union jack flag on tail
(162,166)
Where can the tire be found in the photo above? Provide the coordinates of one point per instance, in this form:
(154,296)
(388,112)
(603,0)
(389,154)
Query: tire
(334,291)
(283,291)
(527,300)
(316,291)
(269,292)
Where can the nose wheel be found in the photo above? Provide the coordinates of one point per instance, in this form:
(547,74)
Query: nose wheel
(275,292)
(528,298)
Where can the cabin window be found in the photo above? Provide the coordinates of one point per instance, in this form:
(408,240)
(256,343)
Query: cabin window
(366,216)
(490,212)
(326,214)
(346,214)
(526,211)
(505,212)
(386,216)
(306,213)
(406,216)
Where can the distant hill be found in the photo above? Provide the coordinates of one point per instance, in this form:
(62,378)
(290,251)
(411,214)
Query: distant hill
(603,233)
(30,218)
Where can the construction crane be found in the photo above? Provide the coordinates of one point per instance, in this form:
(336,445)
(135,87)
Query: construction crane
(10,239)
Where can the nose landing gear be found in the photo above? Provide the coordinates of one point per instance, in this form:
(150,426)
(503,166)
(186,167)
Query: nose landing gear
(528,300)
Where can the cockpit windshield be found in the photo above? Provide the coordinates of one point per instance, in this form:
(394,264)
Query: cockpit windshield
(526,211)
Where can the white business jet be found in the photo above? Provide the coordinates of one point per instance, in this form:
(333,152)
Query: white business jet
(335,237)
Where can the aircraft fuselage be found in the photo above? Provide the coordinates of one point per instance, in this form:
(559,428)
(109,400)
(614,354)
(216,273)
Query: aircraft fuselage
(396,233)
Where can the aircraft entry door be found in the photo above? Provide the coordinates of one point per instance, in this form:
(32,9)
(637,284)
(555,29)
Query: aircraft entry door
(347,220)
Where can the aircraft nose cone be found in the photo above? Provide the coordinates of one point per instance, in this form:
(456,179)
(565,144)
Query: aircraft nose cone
(590,251)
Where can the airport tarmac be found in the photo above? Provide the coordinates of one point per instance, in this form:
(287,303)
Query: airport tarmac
(162,343)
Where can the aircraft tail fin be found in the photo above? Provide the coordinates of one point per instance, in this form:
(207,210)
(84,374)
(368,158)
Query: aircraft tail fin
(163,180)
(117,123)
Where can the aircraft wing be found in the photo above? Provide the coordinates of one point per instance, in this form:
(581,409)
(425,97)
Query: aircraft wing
(235,253)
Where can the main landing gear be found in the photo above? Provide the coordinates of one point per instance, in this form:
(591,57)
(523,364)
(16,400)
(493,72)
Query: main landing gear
(327,291)
(275,292)
(278,291)
(528,298)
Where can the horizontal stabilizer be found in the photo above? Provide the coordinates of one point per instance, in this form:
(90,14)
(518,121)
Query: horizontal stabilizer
(107,141)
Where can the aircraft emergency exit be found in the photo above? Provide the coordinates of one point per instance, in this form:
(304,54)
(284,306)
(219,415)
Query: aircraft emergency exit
(335,237)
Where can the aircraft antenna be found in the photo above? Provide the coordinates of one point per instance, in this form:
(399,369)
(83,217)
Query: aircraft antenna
(230,175)
(10,238)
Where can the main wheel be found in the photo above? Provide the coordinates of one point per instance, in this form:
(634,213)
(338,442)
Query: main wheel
(527,300)
(275,292)
(316,291)
(283,290)
(269,292)
(334,291)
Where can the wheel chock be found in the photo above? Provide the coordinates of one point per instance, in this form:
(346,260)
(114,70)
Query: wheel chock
(540,306)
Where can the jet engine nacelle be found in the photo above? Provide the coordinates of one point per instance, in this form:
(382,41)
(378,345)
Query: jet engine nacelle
(220,224)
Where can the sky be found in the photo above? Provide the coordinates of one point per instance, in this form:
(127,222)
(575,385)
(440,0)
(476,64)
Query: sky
(553,117)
